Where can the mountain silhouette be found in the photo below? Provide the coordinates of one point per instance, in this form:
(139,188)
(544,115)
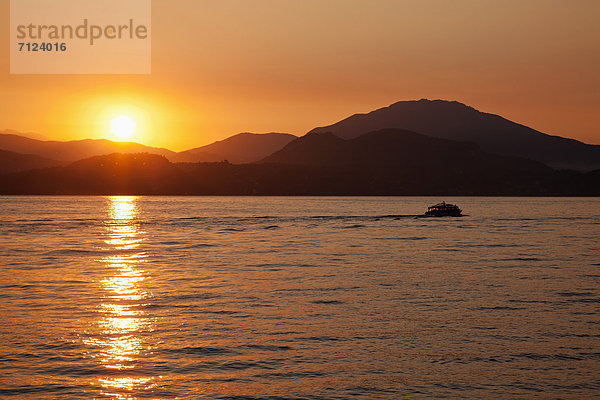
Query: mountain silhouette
(456,121)
(109,174)
(238,149)
(73,150)
(15,162)
(397,148)
(31,135)
(150,174)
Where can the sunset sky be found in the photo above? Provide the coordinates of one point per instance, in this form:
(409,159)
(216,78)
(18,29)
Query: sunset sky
(222,67)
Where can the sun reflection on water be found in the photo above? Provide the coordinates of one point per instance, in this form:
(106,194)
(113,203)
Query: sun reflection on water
(122,332)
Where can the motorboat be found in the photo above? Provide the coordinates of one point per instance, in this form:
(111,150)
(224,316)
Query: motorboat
(443,209)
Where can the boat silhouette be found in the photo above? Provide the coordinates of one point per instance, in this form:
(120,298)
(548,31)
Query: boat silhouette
(443,209)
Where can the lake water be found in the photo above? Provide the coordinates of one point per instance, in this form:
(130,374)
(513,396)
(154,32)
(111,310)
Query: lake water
(298,298)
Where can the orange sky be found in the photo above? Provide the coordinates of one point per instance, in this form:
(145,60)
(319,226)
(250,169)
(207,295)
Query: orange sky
(221,67)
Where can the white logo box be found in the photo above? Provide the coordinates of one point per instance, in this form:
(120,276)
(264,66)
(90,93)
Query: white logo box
(80,36)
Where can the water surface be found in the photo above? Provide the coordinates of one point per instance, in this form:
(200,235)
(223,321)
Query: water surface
(298,298)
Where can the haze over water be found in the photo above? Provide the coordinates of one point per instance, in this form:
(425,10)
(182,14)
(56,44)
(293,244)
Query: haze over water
(298,298)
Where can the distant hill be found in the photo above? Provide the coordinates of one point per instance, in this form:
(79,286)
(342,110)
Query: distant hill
(73,150)
(149,174)
(238,149)
(31,135)
(456,121)
(108,174)
(15,162)
(397,149)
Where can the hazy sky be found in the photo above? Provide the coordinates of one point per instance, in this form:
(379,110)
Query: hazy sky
(227,66)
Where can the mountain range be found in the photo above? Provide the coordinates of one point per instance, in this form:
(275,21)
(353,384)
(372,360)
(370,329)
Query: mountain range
(396,149)
(412,147)
(238,149)
(150,174)
(457,121)
(15,162)
(73,150)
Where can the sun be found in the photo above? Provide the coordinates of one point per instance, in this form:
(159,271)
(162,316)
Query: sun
(123,127)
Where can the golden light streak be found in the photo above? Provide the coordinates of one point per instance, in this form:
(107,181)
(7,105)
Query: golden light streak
(123,325)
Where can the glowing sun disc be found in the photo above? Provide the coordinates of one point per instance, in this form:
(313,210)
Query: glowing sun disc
(123,127)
